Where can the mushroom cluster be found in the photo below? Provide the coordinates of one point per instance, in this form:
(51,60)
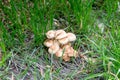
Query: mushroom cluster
(59,43)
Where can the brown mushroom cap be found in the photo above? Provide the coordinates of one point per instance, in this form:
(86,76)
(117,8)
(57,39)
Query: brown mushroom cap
(59,34)
(71,36)
(48,43)
(59,53)
(68,45)
(66,57)
(54,48)
(63,40)
(50,34)
(69,51)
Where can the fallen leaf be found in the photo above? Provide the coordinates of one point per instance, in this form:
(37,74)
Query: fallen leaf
(12,77)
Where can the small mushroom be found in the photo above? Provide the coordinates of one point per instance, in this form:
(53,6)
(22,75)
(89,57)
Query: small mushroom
(66,57)
(54,48)
(48,42)
(63,40)
(59,53)
(59,34)
(69,51)
(50,34)
(71,36)
(68,45)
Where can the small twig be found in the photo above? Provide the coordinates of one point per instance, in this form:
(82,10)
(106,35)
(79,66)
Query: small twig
(12,77)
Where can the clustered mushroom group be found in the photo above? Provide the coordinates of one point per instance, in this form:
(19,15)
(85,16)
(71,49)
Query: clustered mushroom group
(59,43)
